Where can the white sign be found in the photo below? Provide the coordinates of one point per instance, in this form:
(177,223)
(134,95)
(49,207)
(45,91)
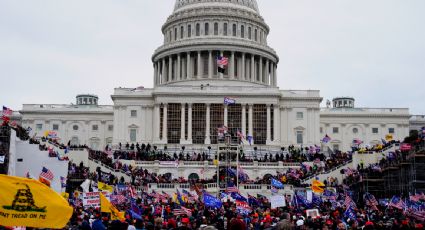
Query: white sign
(310,195)
(2,159)
(313,213)
(277,201)
(92,199)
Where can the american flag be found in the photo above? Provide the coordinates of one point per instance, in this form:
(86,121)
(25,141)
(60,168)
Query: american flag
(232,189)
(47,174)
(223,61)
(371,201)
(349,202)
(118,199)
(7,112)
(182,211)
(397,202)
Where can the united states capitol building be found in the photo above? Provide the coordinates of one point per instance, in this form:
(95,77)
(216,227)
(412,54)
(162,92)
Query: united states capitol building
(186,105)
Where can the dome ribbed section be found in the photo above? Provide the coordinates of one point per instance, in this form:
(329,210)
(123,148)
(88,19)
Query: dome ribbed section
(245,4)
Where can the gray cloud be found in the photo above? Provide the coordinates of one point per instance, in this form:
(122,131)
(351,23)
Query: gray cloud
(371,50)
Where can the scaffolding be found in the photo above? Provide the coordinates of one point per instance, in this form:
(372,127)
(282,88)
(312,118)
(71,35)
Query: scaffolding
(402,177)
(4,148)
(228,153)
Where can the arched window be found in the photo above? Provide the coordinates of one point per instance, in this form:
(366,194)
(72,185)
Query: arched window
(193,176)
(189,31)
(181,32)
(242,31)
(256,35)
(225,29)
(249,33)
(198,29)
(234,30)
(207,29)
(175,34)
(216,28)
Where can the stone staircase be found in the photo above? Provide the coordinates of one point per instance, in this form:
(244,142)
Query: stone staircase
(367,158)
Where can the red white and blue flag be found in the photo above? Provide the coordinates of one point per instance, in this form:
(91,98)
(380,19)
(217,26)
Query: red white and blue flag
(222,61)
(7,112)
(326,139)
(232,189)
(46,174)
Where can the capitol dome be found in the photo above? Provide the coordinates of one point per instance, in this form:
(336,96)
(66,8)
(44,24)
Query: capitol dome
(199,31)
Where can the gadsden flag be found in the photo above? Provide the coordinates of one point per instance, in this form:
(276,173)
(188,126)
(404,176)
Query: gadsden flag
(29,203)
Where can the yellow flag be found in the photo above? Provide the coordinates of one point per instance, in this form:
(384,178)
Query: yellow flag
(65,195)
(29,203)
(104,187)
(317,186)
(389,137)
(106,206)
(215,162)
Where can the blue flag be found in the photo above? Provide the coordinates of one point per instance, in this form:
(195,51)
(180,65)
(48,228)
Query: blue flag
(350,214)
(238,197)
(252,201)
(276,183)
(211,201)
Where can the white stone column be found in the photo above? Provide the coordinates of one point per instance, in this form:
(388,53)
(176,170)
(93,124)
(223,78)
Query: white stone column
(250,117)
(276,123)
(242,72)
(158,73)
(244,119)
(268,136)
(267,72)
(184,67)
(170,68)
(182,123)
(221,74)
(189,123)
(164,124)
(156,121)
(253,78)
(188,67)
(155,72)
(179,61)
(164,72)
(199,65)
(232,66)
(225,115)
(274,75)
(260,64)
(210,64)
(207,124)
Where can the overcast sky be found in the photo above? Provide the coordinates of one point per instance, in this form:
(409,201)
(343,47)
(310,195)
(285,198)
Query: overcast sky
(372,50)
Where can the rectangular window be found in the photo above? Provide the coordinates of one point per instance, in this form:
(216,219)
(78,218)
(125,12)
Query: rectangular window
(234,32)
(181,32)
(321,129)
(216,28)
(133,135)
(133,113)
(175,33)
(225,29)
(375,130)
(391,130)
(242,31)
(55,127)
(300,115)
(39,126)
(300,137)
(110,128)
(335,130)
(95,127)
(249,33)
(255,35)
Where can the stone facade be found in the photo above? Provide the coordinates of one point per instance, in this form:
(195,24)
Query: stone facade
(186,104)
